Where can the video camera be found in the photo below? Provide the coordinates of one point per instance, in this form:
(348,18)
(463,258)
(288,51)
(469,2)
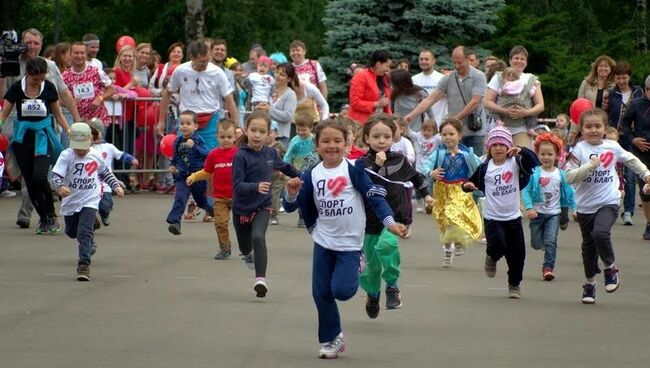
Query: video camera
(10,51)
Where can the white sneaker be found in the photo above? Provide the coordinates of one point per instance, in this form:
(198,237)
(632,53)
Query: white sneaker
(448,256)
(408,232)
(627,219)
(419,207)
(331,350)
(260,287)
(7,194)
(281,210)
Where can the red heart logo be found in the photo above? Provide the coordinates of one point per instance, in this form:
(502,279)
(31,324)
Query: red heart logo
(91,167)
(337,185)
(606,158)
(544,181)
(104,154)
(507,176)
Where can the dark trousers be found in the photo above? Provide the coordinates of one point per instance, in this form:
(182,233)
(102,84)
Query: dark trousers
(335,276)
(106,205)
(34,170)
(251,236)
(506,238)
(597,238)
(182,195)
(80,226)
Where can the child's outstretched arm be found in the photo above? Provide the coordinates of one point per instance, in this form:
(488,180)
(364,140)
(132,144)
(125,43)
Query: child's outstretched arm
(636,165)
(295,194)
(57,185)
(576,172)
(285,167)
(198,176)
(107,176)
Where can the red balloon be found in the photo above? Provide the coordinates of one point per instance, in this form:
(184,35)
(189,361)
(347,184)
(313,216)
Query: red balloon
(167,145)
(124,41)
(578,107)
(4,143)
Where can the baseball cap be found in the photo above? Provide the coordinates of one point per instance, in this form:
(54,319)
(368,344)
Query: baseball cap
(80,136)
(97,124)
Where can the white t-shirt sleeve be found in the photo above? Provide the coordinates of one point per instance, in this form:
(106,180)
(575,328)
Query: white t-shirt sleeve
(321,74)
(495,83)
(61,166)
(106,81)
(223,85)
(174,81)
(314,92)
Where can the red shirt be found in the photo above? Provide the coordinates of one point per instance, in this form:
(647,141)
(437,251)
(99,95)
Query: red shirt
(356,152)
(219,164)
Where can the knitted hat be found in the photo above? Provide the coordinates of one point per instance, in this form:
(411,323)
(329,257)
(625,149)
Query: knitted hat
(265,59)
(498,135)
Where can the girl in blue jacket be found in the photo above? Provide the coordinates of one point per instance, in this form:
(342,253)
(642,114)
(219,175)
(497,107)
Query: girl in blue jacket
(545,196)
(251,204)
(332,197)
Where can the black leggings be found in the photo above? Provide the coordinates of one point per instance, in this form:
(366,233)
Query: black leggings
(34,170)
(251,236)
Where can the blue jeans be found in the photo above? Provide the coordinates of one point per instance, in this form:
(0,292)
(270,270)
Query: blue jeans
(182,195)
(476,142)
(106,205)
(80,226)
(543,233)
(335,276)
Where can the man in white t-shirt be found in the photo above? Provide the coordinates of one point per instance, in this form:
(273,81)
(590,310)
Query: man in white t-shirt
(428,79)
(91,41)
(203,88)
(307,70)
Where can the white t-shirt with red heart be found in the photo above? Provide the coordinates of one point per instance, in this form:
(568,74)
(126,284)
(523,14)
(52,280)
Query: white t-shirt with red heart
(341,218)
(81,175)
(600,188)
(550,182)
(502,191)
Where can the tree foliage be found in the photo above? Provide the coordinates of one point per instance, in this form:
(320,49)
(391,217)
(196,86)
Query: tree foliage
(357,27)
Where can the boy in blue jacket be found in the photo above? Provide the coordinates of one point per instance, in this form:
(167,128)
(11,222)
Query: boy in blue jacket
(190,153)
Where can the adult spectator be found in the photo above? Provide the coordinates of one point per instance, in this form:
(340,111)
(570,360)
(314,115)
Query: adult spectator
(163,72)
(488,62)
(123,67)
(428,78)
(515,116)
(34,142)
(251,65)
(91,41)
(464,88)
(141,70)
(283,107)
(33,38)
(598,81)
(405,96)
(62,57)
(473,59)
(620,97)
(219,53)
(370,88)
(202,88)
(88,86)
(307,70)
(636,124)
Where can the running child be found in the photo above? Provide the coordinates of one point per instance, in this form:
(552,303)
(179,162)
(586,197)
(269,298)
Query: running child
(332,196)
(301,152)
(592,170)
(354,152)
(402,144)
(251,204)
(77,177)
(425,143)
(218,168)
(545,196)
(109,152)
(501,177)
(392,171)
(190,153)
(455,211)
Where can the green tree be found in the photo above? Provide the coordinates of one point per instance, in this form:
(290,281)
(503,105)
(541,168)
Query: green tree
(357,27)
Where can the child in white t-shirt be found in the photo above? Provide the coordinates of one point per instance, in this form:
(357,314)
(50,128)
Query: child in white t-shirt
(501,177)
(591,168)
(260,83)
(425,142)
(109,152)
(77,177)
(402,144)
(331,197)
(547,194)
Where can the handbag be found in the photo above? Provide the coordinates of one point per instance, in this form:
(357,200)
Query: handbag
(473,121)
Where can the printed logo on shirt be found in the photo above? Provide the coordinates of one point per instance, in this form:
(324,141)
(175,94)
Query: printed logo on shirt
(606,158)
(503,184)
(81,181)
(333,207)
(544,181)
(222,165)
(601,176)
(269,162)
(506,176)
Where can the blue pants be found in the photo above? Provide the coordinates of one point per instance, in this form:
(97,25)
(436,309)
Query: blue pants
(506,239)
(474,141)
(335,276)
(198,191)
(630,190)
(80,226)
(106,205)
(543,233)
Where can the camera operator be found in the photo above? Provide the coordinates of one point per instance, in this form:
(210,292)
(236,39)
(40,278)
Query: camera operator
(33,38)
